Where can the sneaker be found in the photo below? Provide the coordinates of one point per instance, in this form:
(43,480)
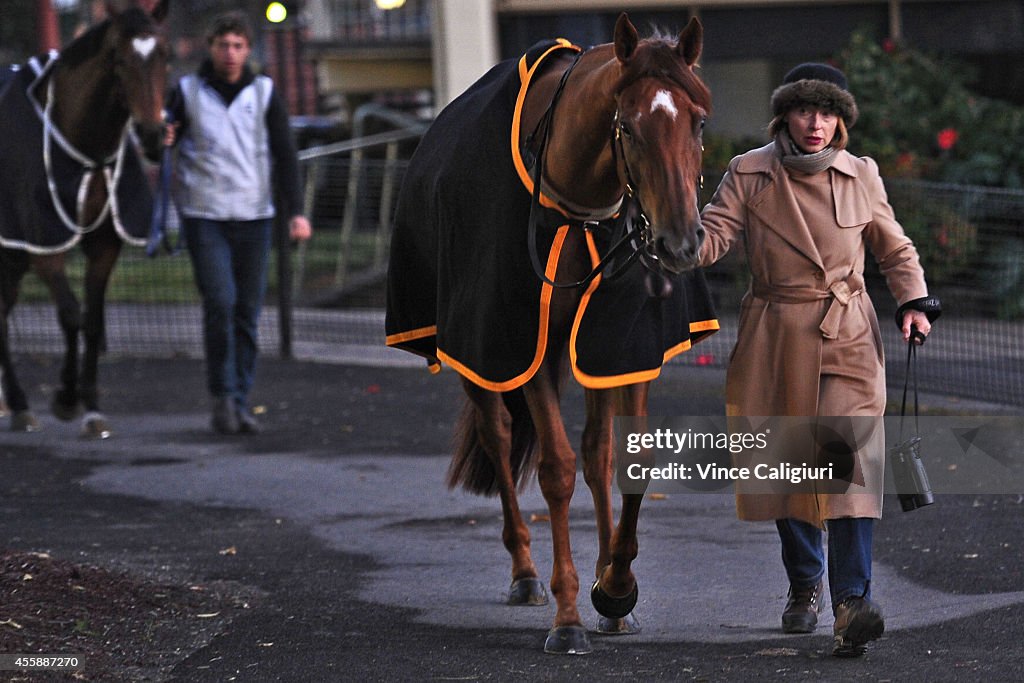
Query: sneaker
(858,621)
(225,415)
(247,422)
(802,608)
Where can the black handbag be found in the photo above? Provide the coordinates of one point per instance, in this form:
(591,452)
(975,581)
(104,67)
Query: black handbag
(912,486)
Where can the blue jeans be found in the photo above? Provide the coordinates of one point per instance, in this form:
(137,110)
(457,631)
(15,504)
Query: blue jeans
(229,259)
(849,555)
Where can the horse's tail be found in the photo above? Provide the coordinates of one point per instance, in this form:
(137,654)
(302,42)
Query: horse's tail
(472,468)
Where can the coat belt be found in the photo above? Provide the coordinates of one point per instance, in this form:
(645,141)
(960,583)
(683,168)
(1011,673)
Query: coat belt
(841,292)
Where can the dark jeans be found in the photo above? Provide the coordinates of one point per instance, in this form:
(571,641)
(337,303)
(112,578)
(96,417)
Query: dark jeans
(849,555)
(229,259)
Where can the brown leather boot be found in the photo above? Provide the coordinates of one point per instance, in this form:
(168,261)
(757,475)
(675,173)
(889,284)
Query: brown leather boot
(802,608)
(858,621)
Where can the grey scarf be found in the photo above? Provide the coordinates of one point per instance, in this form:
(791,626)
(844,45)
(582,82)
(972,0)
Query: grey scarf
(797,160)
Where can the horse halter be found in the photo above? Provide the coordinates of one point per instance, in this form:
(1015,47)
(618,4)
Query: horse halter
(632,224)
(642,225)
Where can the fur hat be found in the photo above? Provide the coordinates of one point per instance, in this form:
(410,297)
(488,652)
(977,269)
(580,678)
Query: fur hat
(819,85)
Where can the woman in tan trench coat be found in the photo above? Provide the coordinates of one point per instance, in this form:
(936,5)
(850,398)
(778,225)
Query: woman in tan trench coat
(808,341)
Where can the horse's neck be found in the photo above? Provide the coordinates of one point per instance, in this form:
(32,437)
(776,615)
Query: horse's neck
(86,110)
(580,162)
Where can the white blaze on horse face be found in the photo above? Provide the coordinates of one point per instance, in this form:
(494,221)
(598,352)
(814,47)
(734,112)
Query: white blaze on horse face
(144,46)
(663,100)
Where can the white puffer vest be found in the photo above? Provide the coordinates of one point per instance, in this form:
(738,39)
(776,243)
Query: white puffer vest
(224,164)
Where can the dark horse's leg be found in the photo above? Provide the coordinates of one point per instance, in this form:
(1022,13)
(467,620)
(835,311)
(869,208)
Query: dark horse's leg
(13,265)
(614,594)
(101,251)
(493,423)
(50,269)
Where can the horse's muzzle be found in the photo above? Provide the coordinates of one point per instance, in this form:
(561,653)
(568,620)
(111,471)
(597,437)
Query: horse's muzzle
(151,137)
(676,258)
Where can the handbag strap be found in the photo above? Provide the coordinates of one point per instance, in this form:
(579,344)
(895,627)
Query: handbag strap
(911,370)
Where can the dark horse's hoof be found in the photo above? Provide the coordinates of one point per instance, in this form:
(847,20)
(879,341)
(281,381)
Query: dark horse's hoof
(567,640)
(95,426)
(618,627)
(611,607)
(63,410)
(528,591)
(24,421)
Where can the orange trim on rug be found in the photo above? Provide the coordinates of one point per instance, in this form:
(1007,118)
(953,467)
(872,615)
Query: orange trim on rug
(542,331)
(525,76)
(705,326)
(419,333)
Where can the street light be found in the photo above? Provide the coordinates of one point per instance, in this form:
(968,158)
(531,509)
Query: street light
(389,4)
(277,12)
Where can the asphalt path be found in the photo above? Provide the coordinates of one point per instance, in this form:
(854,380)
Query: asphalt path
(364,566)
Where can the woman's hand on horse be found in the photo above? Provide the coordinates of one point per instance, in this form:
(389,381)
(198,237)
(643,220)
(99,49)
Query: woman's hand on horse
(299,228)
(918,320)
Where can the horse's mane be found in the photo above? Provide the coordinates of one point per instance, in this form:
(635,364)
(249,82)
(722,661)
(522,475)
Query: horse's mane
(131,22)
(656,57)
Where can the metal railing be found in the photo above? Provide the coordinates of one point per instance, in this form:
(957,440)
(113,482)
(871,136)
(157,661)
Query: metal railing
(372,170)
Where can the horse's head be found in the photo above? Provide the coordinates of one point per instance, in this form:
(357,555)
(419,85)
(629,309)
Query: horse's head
(662,105)
(140,55)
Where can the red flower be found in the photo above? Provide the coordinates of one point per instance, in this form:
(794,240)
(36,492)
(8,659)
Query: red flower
(947,138)
(888,45)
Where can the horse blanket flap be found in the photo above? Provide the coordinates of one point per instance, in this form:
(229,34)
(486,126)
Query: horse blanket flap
(28,218)
(461,287)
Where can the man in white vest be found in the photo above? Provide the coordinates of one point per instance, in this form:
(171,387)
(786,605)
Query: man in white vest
(235,149)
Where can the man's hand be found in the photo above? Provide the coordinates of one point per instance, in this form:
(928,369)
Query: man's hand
(299,228)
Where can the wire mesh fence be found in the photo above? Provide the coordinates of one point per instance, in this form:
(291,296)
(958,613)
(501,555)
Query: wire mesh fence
(971,242)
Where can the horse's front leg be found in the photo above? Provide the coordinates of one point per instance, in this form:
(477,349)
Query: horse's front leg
(50,269)
(101,256)
(615,591)
(556,474)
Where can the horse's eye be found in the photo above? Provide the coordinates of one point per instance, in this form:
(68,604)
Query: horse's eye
(625,130)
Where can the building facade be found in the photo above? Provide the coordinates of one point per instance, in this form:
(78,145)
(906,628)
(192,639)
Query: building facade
(436,48)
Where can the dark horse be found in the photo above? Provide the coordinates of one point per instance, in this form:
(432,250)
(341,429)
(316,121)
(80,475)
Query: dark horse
(74,116)
(617,130)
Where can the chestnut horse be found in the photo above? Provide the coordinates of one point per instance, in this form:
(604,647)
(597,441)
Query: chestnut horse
(619,119)
(77,110)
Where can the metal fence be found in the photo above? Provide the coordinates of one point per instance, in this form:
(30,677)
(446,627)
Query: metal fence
(971,241)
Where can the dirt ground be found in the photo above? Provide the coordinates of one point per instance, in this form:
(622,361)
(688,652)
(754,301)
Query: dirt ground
(122,626)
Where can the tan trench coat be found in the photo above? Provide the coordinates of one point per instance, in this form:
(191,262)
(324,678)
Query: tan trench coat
(808,340)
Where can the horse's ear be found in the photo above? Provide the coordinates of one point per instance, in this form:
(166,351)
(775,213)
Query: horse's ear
(159,12)
(626,38)
(114,7)
(691,41)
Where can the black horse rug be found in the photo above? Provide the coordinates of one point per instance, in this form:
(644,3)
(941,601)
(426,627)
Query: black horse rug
(461,287)
(44,180)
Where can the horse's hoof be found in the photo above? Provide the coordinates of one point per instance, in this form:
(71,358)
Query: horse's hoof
(63,411)
(4,408)
(24,421)
(625,626)
(567,640)
(95,426)
(528,591)
(612,607)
